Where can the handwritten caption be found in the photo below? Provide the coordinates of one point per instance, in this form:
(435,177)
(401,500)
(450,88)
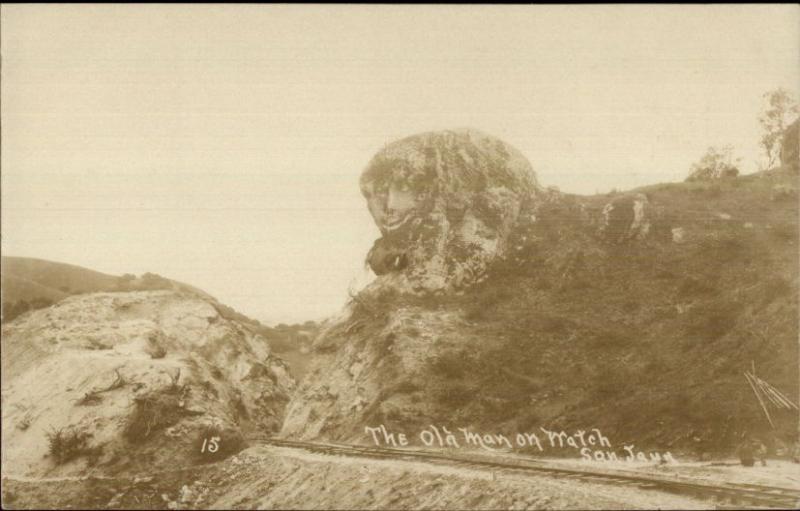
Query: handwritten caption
(591,444)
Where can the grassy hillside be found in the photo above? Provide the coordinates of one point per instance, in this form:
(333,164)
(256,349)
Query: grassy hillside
(646,340)
(62,278)
(29,283)
(20,288)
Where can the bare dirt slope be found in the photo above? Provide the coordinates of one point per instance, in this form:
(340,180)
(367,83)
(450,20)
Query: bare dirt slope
(112,382)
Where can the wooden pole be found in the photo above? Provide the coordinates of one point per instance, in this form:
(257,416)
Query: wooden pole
(785,401)
(767,391)
(760,401)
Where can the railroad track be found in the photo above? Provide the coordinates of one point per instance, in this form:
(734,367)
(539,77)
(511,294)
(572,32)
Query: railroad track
(725,496)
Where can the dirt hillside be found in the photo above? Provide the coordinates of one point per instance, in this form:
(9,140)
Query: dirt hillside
(113,382)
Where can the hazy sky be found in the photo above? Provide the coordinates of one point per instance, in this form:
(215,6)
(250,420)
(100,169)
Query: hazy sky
(221,145)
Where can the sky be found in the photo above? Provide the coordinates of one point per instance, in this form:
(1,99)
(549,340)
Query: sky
(221,145)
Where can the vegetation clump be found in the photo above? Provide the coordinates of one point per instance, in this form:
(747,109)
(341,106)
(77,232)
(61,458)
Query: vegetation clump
(67,444)
(155,411)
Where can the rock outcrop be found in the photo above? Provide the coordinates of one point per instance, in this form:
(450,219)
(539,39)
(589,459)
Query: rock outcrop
(790,146)
(133,379)
(626,218)
(444,203)
(449,206)
(593,303)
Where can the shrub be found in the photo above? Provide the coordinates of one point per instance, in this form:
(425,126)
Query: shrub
(716,163)
(153,412)
(155,347)
(65,445)
(25,422)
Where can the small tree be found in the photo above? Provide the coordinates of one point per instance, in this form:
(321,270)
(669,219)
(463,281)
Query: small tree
(715,164)
(780,110)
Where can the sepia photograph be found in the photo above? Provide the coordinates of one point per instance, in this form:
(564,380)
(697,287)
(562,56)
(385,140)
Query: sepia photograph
(400,257)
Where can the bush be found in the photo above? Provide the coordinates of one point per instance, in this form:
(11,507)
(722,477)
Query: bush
(153,412)
(65,445)
(717,163)
(155,347)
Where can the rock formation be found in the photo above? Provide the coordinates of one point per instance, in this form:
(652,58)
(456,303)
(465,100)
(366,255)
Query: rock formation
(448,205)
(626,218)
(790,146)
(561,307)
(444,203)
(134,379)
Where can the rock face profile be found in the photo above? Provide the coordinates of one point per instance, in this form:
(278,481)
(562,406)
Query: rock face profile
(444,202)
(449,205)
(126,381)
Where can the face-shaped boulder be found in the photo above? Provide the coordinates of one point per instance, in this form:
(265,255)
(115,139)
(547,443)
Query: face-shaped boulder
(444,203)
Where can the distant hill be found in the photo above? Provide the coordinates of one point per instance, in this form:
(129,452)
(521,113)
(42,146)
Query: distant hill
(32,278)
(30,283)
